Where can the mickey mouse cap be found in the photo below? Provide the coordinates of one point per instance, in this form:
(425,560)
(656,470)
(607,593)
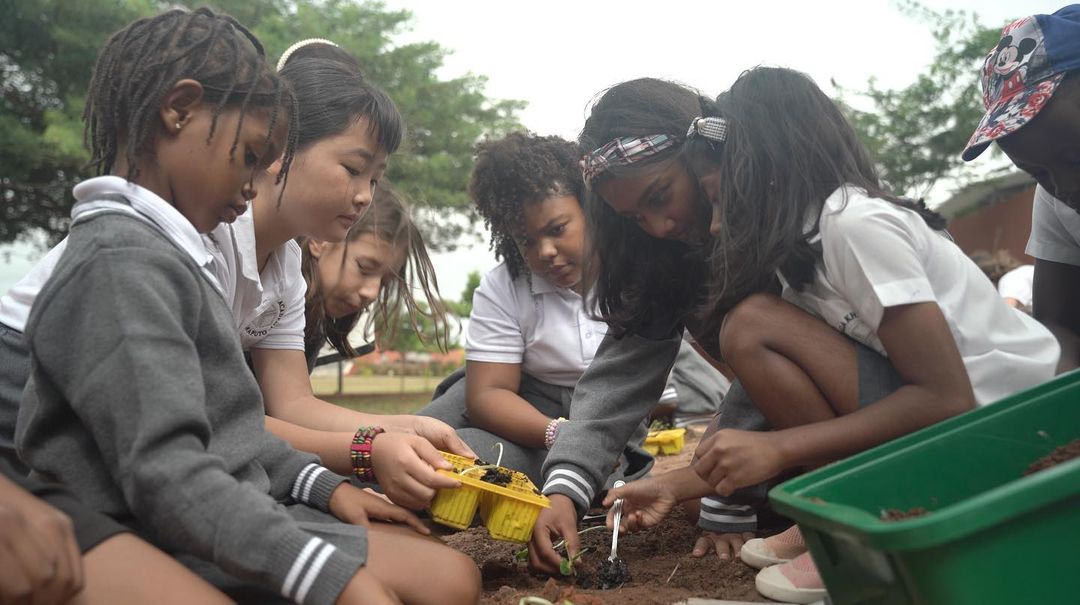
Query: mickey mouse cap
(1022,72)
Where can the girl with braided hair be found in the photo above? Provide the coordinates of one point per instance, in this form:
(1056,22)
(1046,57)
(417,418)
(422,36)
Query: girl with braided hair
(139,399)
(349,130)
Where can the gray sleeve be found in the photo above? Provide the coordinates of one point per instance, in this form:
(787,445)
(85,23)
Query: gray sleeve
(613,396)
(1055,230)
(721,516)
(117,341)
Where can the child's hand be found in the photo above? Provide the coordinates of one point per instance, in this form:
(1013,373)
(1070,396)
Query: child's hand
(727,546)
(435,431)
(557,521)
(405,467)
(353,505)
(645,503)
(731,459)
(39,558)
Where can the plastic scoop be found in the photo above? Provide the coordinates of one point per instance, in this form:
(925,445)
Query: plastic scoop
(617,507)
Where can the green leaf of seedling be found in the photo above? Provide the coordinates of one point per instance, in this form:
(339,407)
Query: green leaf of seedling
(566,567)
(522,554)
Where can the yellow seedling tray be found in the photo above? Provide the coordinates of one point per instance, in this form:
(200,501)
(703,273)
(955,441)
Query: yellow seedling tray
(509,512)
(665,443)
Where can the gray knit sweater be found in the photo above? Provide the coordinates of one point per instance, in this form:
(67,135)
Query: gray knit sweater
(139,400)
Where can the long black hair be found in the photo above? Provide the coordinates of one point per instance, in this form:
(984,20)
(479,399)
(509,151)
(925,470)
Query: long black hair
(140,64)
(332,95)
(519,169)
(638,280)
(788,148)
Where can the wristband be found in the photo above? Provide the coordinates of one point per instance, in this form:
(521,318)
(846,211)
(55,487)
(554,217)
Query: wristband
(360,453)
(552,431)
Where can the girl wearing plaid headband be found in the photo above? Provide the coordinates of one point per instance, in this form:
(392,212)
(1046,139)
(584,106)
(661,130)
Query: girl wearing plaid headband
(883,325)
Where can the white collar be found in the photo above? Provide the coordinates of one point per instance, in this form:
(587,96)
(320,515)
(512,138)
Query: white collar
(243,229)
(150,206)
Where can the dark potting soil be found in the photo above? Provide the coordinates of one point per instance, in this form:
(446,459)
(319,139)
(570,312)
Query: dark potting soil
(613,574)
(1059,455)
(650,556)
(894,514)
(497,476)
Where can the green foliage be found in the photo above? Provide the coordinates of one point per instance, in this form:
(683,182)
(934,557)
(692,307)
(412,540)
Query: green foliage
(411,338)
(463,308)
(48,48)
(917,133)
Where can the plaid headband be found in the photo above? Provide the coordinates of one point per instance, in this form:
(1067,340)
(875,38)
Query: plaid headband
(627,150)
(713,129)
(621,152)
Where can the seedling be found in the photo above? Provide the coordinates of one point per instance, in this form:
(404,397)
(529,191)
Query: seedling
(523,554)
(541,601)
(566,566)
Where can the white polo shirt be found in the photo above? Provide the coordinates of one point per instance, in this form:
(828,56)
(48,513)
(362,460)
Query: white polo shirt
(541,326)
(1017,284)
(268,307)
(16,303)
(877,255)
(1055,230)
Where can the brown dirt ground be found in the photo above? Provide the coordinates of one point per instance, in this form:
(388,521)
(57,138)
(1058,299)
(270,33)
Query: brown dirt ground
(1059,455)
(652,557)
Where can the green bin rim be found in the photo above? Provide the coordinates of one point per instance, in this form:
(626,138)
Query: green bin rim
(963,518)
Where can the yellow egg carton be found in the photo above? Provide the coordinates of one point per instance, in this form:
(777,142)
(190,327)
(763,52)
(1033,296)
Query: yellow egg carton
(509,512)
(665,443)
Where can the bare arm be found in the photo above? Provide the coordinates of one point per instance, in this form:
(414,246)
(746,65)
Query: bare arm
(287,394)
(491,396)
(1056,303)
(922,349)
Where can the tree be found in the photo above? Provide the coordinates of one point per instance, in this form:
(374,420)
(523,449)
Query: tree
(917,133)
(48,47)
(463,307)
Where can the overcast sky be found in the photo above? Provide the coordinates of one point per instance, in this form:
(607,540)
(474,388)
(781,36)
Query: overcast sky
(557,55)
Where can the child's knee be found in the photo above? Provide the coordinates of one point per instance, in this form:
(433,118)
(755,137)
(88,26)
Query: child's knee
(746,325)
(463,579)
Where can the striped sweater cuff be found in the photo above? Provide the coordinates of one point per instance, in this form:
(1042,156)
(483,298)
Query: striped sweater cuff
(314,485)
(314,571)
(570,482)
(723,517)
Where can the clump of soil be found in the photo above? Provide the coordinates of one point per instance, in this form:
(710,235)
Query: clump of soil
(613,574)
(894,514)
(497,476)
(1059,455)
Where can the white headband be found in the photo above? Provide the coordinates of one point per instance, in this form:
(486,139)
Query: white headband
(301,44)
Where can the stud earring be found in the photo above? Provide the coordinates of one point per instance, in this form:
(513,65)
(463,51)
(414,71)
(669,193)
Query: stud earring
(178,125)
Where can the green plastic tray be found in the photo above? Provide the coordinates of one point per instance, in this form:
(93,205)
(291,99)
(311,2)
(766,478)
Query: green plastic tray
(992,534)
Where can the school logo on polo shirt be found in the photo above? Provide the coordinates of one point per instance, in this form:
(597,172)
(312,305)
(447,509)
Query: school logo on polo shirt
(265,321)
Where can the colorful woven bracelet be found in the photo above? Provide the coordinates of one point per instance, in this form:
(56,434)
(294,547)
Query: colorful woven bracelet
(552,431)
(360,453)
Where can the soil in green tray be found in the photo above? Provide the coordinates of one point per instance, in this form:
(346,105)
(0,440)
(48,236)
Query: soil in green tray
(1059,455)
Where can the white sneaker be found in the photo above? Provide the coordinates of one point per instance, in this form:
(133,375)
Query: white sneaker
(796,581)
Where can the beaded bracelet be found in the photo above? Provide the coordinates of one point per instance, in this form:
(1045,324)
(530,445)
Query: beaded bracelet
(360,453)
(552,431)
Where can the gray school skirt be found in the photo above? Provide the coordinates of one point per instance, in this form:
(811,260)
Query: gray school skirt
(14,372)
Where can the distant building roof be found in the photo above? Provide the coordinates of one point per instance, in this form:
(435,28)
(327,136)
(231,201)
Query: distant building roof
(984,193)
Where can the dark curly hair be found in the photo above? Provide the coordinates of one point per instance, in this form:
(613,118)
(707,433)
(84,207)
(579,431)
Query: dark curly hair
(518,169)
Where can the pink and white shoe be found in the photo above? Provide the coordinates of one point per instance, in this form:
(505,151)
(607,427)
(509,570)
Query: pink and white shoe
(796,581)
(760,553)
